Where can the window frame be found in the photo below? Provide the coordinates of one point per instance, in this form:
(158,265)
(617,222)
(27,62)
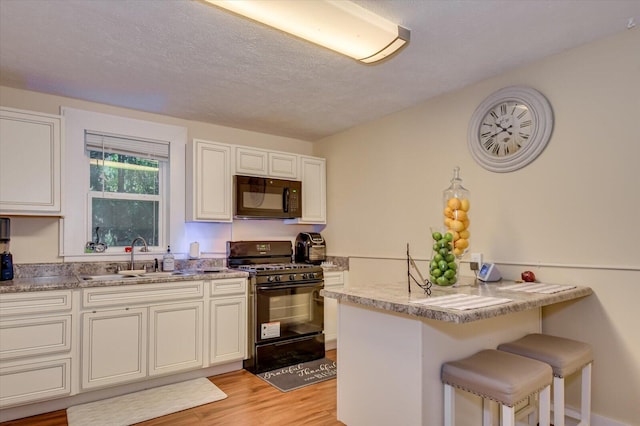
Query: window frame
(76,227)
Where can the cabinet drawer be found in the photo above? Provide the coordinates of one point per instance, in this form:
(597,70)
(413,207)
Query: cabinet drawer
(35,336)
(22,383)
(143,293)
(36,302)
(333,279)
(228,286)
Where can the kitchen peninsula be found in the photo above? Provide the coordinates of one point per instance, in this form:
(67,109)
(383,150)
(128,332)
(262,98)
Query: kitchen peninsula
(392,343)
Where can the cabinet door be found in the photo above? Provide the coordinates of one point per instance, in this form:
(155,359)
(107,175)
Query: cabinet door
(209,182)
(31,153)
(251,162)
(175,337)
(228,325)
(114,347)
(313,174)
(283,165)
(331,280)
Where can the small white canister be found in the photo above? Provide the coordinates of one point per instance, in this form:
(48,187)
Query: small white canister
(194,250)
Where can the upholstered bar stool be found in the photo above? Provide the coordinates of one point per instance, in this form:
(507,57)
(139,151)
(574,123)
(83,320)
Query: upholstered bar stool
(565,356)
(499,376)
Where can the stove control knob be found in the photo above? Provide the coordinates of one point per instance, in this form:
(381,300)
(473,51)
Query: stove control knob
(278,278)
(270,278)
(292,277)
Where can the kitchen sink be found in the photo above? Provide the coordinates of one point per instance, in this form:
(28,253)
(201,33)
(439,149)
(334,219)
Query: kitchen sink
(122,276)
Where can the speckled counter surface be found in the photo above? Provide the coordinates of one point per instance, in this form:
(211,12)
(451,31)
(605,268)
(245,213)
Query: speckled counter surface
(394,297)
(18,285)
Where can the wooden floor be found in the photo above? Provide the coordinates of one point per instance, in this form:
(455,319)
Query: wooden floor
(250,401)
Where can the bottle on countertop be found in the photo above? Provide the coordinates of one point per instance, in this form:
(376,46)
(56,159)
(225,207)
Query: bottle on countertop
(168,261)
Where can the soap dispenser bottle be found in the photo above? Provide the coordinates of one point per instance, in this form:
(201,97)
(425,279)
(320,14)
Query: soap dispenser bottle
(168,261)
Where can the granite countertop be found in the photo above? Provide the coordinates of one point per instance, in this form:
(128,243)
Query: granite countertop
(394,297)
(61,282)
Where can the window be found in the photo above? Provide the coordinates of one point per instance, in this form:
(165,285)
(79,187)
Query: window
(124,178)
(126,189)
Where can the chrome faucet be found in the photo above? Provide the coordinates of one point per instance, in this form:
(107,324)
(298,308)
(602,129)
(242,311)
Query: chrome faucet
(133,248)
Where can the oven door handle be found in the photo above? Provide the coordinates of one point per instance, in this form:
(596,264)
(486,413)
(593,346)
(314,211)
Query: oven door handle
(268,287)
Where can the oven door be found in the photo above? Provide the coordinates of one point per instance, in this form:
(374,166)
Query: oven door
(288,311)
(264,198)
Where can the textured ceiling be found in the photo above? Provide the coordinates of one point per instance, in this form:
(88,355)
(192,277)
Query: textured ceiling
(187,59)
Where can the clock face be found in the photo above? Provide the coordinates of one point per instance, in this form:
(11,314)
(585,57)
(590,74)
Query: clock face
(506,128)
(510,129)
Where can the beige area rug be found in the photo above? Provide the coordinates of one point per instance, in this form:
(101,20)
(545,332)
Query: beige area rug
(144,405)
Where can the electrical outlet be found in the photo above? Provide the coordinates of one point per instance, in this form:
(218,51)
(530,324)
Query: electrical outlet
(476,257)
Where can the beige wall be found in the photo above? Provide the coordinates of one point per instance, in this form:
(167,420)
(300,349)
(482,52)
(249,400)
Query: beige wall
(36,240)
(571,215)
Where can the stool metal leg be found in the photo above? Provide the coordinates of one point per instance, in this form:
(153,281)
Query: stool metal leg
(487,413)
(508,415)
(585,399)
(449,405)
(544,417)
(558,401)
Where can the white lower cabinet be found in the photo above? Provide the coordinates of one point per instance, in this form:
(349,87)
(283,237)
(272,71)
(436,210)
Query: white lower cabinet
(116,335)
(175,337)
(114,347)
(228,329)
(332,280)
(141,330)
(35,346)
(35,380)
(125,345)
(228,320)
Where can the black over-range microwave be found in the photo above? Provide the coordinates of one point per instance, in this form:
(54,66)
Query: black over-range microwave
(266,198)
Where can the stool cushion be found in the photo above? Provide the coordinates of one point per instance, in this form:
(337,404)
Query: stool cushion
(497,375)
(565,356)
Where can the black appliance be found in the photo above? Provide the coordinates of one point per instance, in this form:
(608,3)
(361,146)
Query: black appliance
(6,259)
(266,198)
(310,248)
(286,310)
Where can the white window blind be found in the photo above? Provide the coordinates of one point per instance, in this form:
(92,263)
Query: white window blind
(158,150)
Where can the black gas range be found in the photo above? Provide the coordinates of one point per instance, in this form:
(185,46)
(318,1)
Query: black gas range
(286,310)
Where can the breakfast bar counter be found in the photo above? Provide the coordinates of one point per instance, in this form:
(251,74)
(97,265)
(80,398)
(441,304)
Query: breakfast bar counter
(392,343)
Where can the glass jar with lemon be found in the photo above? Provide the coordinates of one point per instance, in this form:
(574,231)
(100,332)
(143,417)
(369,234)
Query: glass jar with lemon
(453,242)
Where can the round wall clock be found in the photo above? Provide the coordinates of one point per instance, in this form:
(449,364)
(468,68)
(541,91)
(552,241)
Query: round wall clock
(510,129)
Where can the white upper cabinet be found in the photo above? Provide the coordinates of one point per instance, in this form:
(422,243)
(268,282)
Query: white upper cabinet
(253,162)
(209,182)
(210,170)
(31,146)
(283,165)
(313,174)
(258,162)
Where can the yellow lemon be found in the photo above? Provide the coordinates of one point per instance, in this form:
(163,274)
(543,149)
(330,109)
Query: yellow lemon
(454,203)
(456,225)
(466,223)
(462,243)
(448,212)
(457,251)
(460,214)
(464,204)
(465,234)
(447,222)
(454,234)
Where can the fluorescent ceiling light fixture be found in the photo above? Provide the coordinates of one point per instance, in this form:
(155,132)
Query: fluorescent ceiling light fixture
(339,25)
